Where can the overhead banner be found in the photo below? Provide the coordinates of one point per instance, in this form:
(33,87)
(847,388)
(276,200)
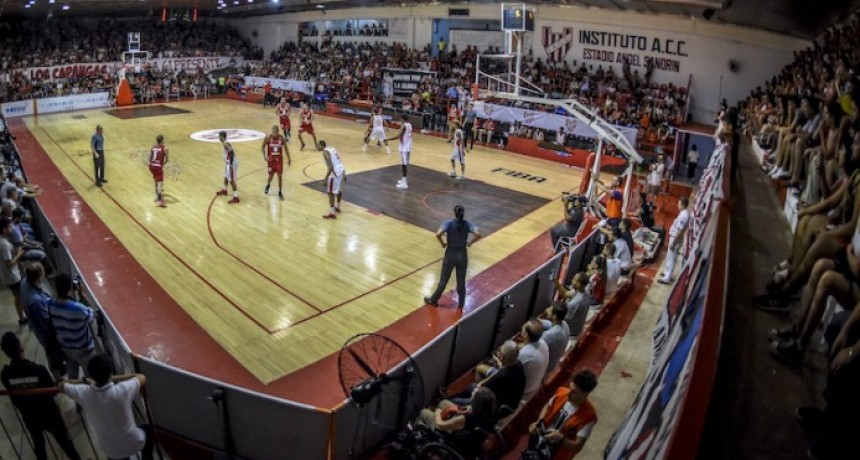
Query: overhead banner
(296,86)
(17,108)
(76,102)
(544,120)
(406,81)
(91,69)
(482,39)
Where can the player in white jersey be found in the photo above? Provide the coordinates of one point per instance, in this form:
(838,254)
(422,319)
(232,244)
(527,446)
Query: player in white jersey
(405,137)
(376,131)
(334,176)
(458,155)
(231,168)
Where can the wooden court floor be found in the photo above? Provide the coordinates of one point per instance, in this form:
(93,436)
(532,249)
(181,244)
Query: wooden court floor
(270,281)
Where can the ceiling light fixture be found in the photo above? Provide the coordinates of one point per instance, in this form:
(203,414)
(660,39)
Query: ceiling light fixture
(66,7)
(320,6)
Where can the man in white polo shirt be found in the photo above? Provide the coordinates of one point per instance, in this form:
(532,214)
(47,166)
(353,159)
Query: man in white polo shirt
(676,237)
(107,402)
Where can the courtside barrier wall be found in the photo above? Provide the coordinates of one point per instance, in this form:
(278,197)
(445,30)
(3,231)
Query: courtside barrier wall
(667,418)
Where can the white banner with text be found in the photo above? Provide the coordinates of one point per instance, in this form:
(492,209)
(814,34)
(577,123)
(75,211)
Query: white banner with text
(17,108)
(296,86)
(544,120)
(76,102)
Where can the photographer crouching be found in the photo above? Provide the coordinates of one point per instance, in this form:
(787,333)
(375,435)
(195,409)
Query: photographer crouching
(574,213)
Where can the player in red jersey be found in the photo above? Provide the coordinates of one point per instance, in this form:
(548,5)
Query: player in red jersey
(307,116)
(157,159)
(274,148)
(284,109)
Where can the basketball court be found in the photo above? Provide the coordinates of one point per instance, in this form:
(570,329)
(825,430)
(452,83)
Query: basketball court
(273,283)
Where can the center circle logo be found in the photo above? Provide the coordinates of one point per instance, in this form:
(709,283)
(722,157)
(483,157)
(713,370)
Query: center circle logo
(233,135)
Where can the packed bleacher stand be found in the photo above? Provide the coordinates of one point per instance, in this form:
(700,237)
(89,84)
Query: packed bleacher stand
(31,44)
(806,131)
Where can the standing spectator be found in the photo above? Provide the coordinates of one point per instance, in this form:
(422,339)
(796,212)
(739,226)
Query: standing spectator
(456,242)
(556,334)
(34,301)
(108,402)
(676,236)
(615,202)
(692,161)
(72,321)
(469,116)
(10,275)
(573,217)
(534,354)
(566,421)
(440,46)
(40,412)
(646,211)
(97,144)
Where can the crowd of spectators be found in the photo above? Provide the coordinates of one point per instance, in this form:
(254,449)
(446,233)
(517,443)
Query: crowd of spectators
(806,121)
(32,44)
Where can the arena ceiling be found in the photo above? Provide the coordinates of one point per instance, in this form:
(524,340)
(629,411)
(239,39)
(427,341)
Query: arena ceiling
(802,18)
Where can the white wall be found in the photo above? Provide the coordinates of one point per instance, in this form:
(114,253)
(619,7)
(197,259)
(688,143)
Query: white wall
(708,47)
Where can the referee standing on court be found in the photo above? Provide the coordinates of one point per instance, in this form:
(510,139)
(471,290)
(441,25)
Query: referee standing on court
(456,241)
(98,147)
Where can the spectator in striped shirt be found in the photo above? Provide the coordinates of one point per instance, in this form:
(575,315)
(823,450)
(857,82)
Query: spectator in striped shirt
(72,321)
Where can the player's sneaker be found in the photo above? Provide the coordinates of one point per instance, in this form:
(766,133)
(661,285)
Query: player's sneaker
(452,173)
(330,216)
(402,185)
(233,200)
(266,190)
(160,204)
(281,195)
(303,146)
(337,208)
(364,148)
(387,150)
(221,192)
(461,177)
(378,144)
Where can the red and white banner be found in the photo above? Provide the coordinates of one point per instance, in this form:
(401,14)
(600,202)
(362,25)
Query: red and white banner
(17,108)
(191,64)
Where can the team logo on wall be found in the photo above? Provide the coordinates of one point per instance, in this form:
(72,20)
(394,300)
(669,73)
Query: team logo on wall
(556,44)
(233,135)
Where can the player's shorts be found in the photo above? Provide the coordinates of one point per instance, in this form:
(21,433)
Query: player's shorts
(231,171)
(306,128)
(276,164)
(334,183)
(157,172)
(285,123)
(459,155)
(404,156)
(378,134)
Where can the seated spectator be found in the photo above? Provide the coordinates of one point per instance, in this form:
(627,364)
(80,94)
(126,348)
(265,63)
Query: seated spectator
(596,288)
(573,217)
(577,302)
(451,418)
(534,354)
(556,333)
(505,376)
(566,421)
(627,235)
(10,275)
(613,268)
(39,412)
(622,250)
(108,402)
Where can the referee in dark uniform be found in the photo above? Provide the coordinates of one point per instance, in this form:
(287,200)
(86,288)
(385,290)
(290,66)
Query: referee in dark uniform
(39,412)
(456,241)
(97,145)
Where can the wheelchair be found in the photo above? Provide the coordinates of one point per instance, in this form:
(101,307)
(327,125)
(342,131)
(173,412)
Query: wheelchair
(418,442)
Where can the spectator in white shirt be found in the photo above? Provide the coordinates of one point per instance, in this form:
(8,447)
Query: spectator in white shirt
(676,237)
(534,354)
(556,333)
(108,405)
(692,161)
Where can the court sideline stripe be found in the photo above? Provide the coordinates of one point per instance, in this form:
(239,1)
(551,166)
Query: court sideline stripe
(157,240)
(251,267)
